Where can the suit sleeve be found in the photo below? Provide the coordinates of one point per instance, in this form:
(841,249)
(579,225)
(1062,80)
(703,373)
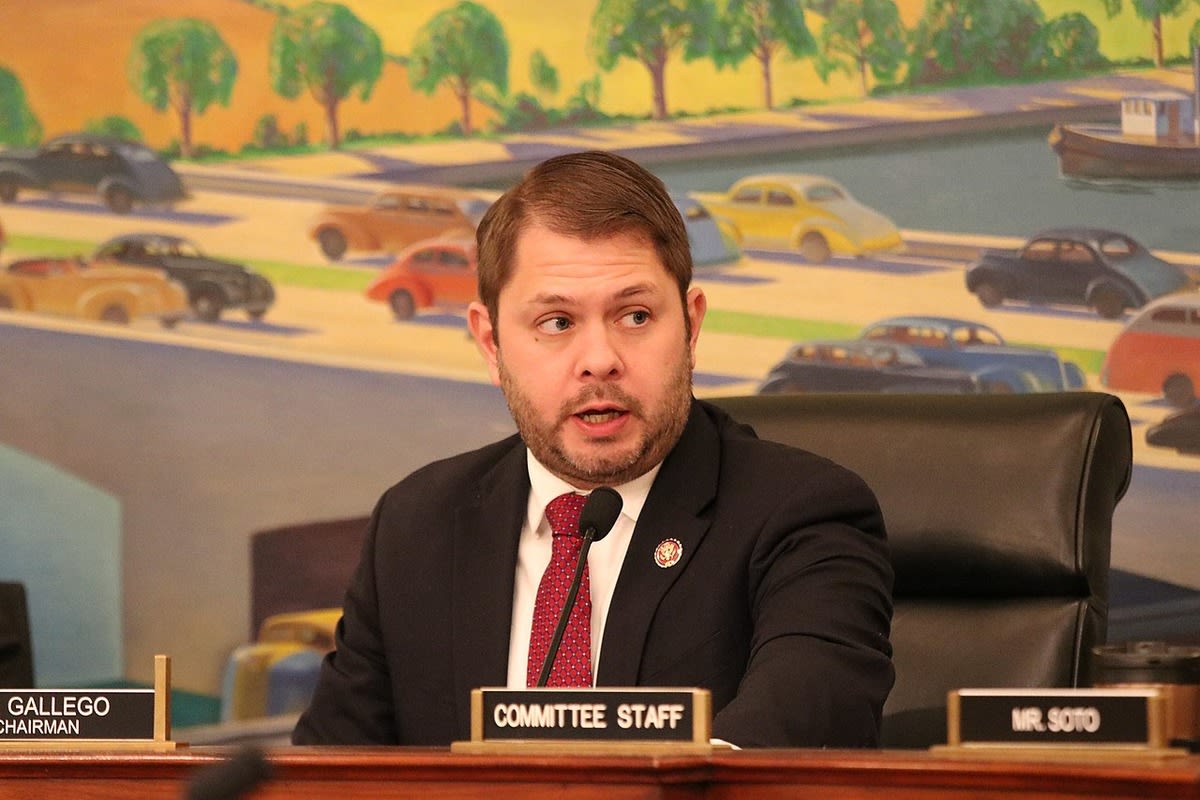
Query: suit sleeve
(819,580)
(352,703)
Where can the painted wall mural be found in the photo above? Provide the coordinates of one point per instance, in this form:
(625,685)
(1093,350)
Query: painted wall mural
(237,238)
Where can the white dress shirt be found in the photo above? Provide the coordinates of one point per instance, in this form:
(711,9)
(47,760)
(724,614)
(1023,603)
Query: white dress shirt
(533,556)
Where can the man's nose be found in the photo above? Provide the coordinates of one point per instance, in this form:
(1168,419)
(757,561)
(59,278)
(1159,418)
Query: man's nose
(599,356)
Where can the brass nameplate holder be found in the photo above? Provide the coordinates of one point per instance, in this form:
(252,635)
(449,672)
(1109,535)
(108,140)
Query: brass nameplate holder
(89,719)
(625,721)
(1072,721)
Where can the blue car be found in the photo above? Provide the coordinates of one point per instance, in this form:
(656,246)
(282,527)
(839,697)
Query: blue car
(714,240)
(860,366)
(982,351)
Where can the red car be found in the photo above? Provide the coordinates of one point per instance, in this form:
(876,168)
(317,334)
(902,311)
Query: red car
(434,273)
(1159,351)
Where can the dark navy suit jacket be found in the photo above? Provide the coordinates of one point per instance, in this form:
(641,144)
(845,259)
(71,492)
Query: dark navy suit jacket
(780,604)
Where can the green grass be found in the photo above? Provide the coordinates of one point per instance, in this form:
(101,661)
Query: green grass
(747,324)
(311,276)
(49,246)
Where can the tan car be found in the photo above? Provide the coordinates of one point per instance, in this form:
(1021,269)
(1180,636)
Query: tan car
(397,218)
(69,287)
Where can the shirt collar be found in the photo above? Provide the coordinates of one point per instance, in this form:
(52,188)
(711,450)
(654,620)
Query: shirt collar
(544,486)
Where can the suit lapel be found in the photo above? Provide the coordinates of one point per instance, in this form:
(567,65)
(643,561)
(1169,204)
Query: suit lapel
(487,528)
(685,486)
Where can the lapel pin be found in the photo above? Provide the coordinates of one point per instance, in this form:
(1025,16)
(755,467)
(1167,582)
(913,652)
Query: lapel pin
(668,553)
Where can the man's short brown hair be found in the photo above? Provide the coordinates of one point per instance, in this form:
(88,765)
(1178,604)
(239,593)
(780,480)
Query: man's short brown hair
(588,195)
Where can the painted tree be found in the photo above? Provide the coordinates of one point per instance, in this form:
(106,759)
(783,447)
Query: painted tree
(1152,11)
(461,48)
(325,49)
(1071,42)
(974,39)
(185,65)
(19,126)
(114,125)
(542,74)
(762,29)
(863,37)
(649,31)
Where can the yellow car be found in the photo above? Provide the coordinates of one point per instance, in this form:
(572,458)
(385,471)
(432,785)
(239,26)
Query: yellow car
(70,287)
(809,213)
(277,673)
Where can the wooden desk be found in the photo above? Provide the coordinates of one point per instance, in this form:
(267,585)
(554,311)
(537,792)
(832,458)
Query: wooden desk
(382,774)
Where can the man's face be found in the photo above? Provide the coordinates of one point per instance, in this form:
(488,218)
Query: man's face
(593,354)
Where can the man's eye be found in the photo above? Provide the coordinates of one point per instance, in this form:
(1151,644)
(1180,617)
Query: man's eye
(554,325)
(638,318)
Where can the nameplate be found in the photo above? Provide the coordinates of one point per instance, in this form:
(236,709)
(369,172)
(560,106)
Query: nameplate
(1121,718)
(76,714)
(138,719)
(596,715)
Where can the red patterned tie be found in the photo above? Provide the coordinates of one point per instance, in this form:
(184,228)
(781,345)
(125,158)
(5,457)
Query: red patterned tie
(573,663)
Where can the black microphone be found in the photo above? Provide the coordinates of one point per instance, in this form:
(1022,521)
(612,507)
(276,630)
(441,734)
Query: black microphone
(600,512)
(232,778)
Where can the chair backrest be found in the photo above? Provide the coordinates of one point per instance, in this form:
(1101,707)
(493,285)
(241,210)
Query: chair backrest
(999,515)
(16,650)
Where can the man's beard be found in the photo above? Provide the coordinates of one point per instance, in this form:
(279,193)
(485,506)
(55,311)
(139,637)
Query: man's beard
(663,427)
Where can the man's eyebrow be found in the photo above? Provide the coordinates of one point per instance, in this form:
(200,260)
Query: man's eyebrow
(558,299)
(637,289)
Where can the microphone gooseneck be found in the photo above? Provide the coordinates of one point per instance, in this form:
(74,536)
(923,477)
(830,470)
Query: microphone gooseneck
(597,518)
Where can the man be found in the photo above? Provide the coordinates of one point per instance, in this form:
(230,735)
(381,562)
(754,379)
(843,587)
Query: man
(757,571)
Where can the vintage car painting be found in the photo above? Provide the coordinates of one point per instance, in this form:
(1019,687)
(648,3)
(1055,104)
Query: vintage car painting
(811,214)
(212,285)
(714,240)
(965,344)
(432,273)
(862,366)
(1179,432)
(396,218)
(73,288)
(120,172)
(1104,270)
(1158,351)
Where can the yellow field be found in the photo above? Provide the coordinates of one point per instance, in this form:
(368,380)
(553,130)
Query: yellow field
(70,56)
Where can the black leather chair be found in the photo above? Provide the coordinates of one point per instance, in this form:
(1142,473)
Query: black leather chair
(999,514)
(16,652)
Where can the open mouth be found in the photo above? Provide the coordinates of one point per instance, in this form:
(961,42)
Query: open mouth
(596,416)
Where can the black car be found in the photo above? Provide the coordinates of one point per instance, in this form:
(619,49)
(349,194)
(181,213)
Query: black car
(1102,269)
(862,366)
(212,285)
(121,172)
(1180,432)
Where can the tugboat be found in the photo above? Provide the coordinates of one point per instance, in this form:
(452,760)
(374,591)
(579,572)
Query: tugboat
(1158,139)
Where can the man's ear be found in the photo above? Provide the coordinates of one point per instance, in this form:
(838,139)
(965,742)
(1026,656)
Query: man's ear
(479,323)
(697,304)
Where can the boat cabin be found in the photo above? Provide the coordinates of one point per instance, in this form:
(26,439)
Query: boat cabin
(1158,115)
